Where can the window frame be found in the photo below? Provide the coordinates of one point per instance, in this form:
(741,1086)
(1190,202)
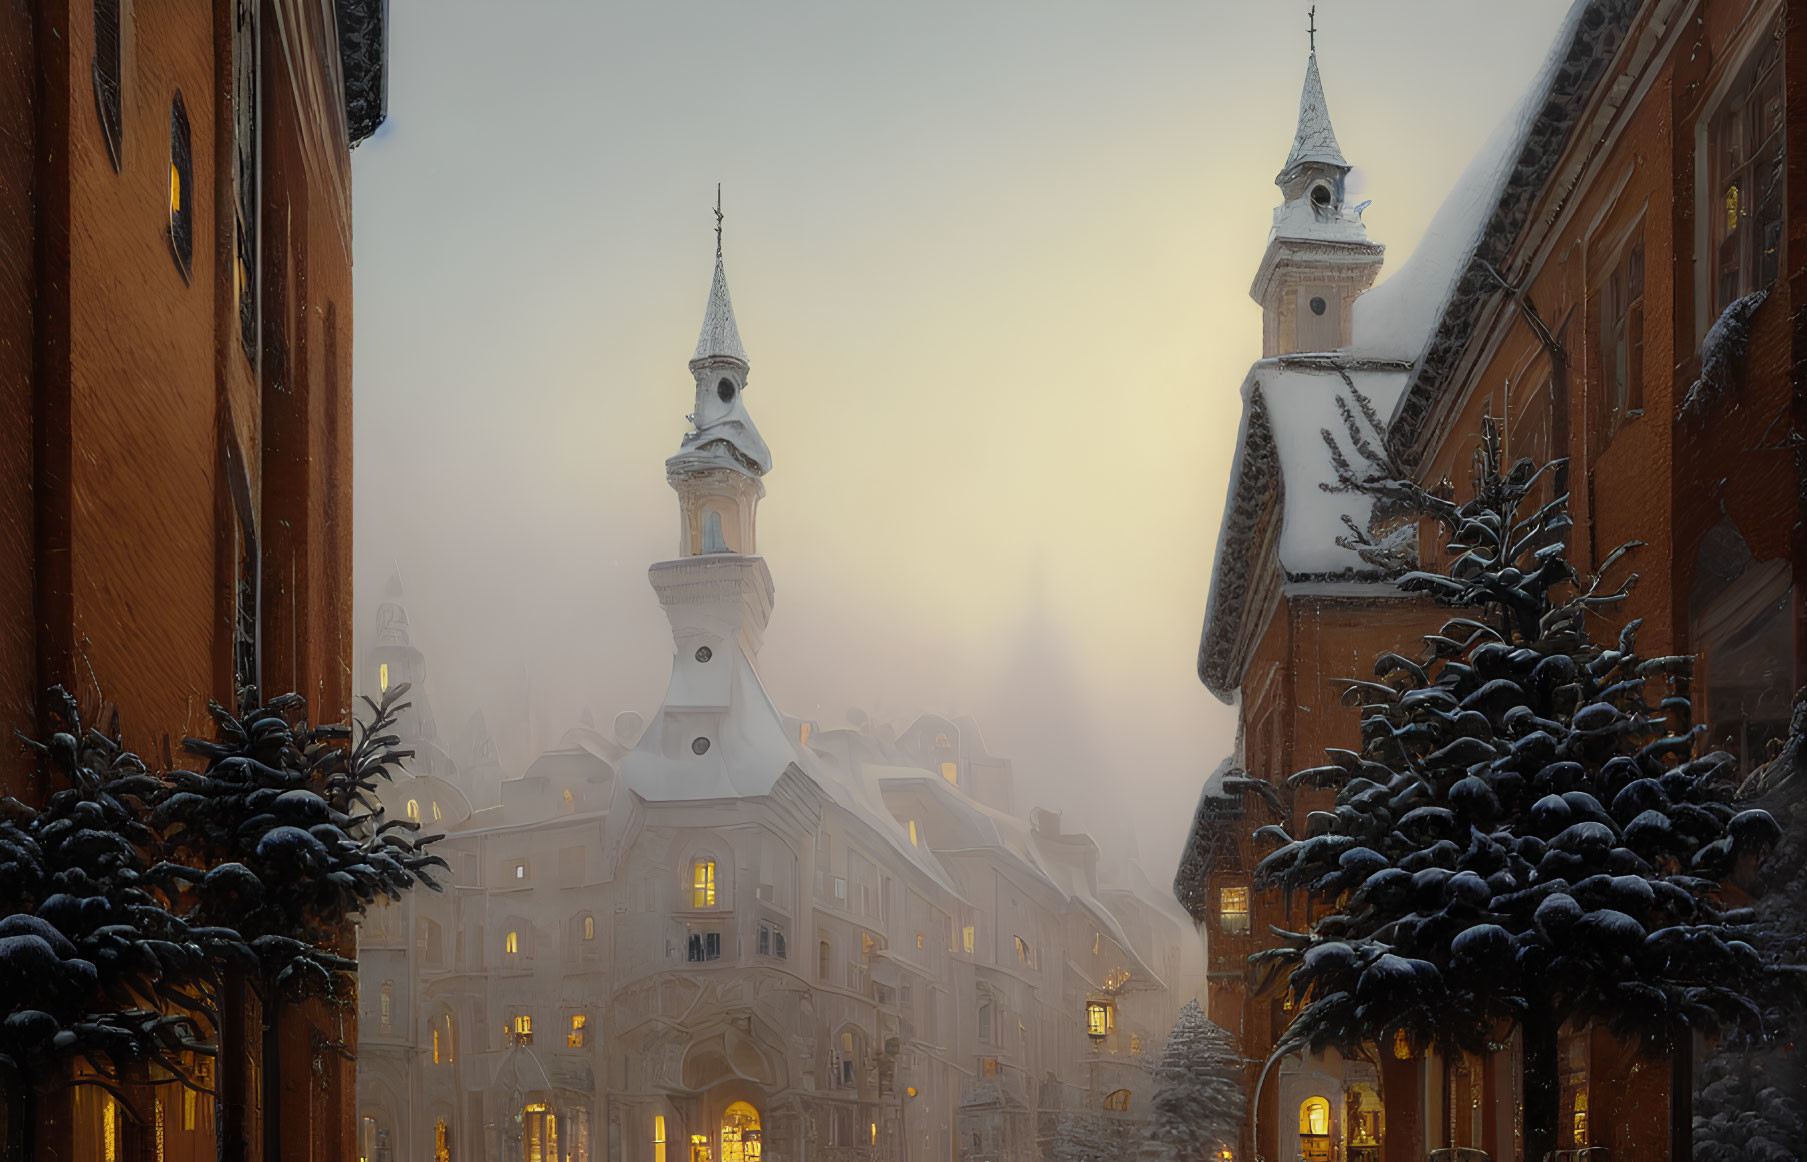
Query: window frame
(1756,68)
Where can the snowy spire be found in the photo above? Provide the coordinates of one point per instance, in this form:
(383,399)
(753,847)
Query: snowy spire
(1315,140)
(720,337)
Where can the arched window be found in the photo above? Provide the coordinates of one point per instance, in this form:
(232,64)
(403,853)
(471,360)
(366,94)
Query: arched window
(702,884)
(1100,1018)
(451,1049)
(713,541)
(1117,1100)
(658,1138)
(382,677)
(1314,1130)
(436,1049)
(437,815)
(512,945)
(414,810)
(589,928)
(740,1133)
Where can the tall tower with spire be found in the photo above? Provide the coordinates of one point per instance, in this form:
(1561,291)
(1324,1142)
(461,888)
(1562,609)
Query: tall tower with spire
(717,733)
(1318,255)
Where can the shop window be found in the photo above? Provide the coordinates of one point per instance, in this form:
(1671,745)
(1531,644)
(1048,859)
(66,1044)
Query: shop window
(181,188)
(109,75)
(539,1134)
(702,884)
(1100,1018)
(1744,151)
(1233,909)
(1622,334)
(1117,1101)
(699,1148)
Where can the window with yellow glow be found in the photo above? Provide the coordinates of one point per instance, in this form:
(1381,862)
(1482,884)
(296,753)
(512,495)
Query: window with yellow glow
(570,801)
(1117,1101)
(1580,1118)
(1025,955)
(875,1133)
(188,1108)
(382,677)
(1135,1042)
(436,1046)
(512,943)
(699,1148)
(109,1129)
(442,1142)
(914,841)
(1402,1046)
(803,734)
(436,812)
(658,1138)
(589,927)
(414,810)
(1233,909)
(1100,1018)
(702,884)
(539,1134)
(575,1038)
(967,939)
(919,941)
(951,772)
(1314,1117)
(740,1133)
(157,1126)
(523,1029)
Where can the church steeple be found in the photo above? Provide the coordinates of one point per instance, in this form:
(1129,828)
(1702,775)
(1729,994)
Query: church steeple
(1318,255)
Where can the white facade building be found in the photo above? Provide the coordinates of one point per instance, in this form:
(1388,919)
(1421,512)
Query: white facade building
(730,935)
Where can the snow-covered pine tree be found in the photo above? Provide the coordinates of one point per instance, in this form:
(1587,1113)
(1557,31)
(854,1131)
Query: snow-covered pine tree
(1525,837)
(280,837)
(1199,1102)
(1090,1136)
(92,962)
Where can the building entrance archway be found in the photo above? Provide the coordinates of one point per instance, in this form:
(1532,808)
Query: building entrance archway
(740,1133)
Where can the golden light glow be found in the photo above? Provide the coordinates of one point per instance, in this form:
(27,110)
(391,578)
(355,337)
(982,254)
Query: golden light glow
(909,1091)
(1402,1046)
(967,939)
(740,1133)
(175,207)
(414,810)
(523,1029)
(382,677)
(1100,1018)
(1580,1118)
(1731,207)
(109,1129)
(658,1138)
(157,1126)
(589,927)
(951,772)
(914,841)
(1233,908)
(575,1038)
(436,1046)
(803,734)
(436,812)
(702,884)
(512,943)
(442,1146)
(1117,1101)
(1314,1117)
(699,1148)
(188,1108)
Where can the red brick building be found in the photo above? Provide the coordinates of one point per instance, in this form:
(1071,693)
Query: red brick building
(1649,180)
(175,448)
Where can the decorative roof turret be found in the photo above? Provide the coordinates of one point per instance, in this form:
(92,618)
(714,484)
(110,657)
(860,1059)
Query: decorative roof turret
(722,433)
(720,338)
(1315,140)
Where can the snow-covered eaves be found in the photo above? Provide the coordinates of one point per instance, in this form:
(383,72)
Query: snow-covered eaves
(1217,811)
(1281,463)
(1537,135)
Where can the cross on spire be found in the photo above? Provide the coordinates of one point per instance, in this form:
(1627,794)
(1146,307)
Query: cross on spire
(1311,31)
(718,219)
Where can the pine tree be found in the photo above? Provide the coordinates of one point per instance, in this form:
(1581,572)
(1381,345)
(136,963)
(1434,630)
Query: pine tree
(1089,1136)
(1199,1103)
(1525,836)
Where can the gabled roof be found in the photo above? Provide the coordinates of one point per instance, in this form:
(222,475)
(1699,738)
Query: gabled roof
(1315,140)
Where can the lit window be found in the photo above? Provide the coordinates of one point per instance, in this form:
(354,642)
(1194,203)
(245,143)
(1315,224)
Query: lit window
(914,841)
(1117,1100)
(570,801)
(875,1133)
(589,927)
(539,1134)
(1745,153)
(951,772)
(109,1129)
(523,1029)
(740,1133)
(157,1126)
(436,1046)
(988,1066)
(658,1138)
(1580,1118)
(919,941)
(967,939)
(1622,333)
(1233,909)
(414,810)
(442,1142)
(1402,1046)
(181,190)
(702,884)
(188,1108)
(1100,1018)
(699,1148)
(1314,1118)
(436,812)
(1025,955)
(1135,1042)
(575,1038)
(803,734)
(513,943)
(382,677)
(520,871)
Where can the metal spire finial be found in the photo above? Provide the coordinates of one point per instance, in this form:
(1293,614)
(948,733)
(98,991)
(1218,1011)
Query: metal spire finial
(718,219)
(1311,31)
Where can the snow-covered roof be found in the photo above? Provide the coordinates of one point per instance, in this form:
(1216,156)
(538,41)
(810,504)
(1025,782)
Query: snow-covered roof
(1315,140)
(1281,460)
(1215,805)
(1484,216)
(720,336)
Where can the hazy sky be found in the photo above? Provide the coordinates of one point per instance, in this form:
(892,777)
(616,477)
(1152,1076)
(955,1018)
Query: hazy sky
(991,266)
